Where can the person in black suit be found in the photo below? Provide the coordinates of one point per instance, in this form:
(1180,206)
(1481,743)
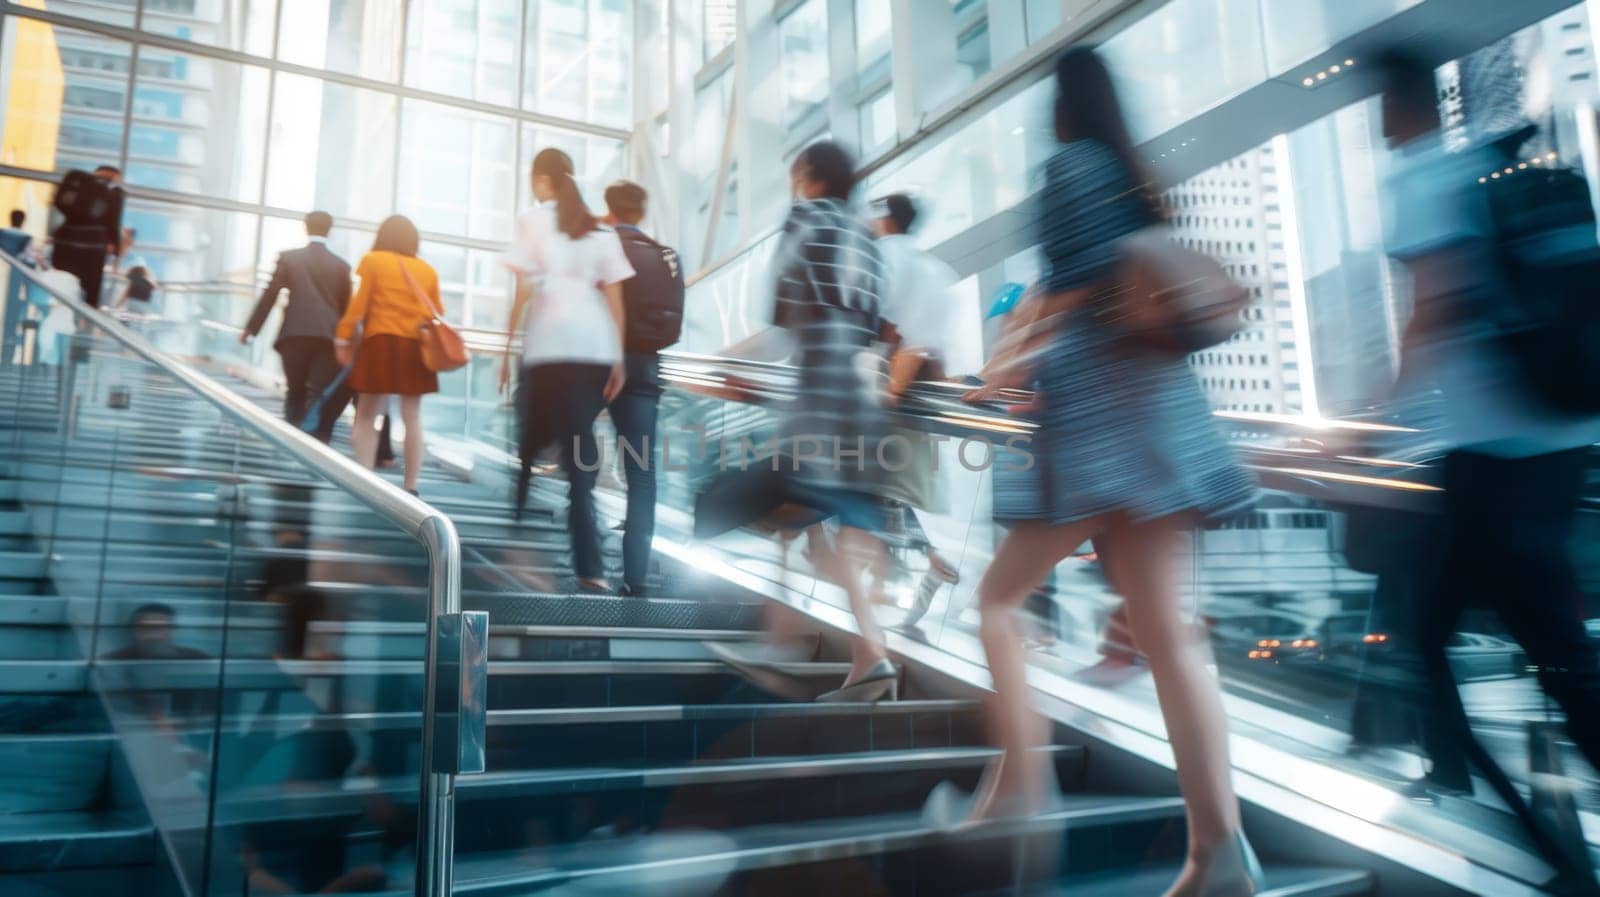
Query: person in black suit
(91,228)
(319,289)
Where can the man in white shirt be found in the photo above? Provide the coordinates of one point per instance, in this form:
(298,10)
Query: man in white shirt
(919,299)
(572,343)
(920,302)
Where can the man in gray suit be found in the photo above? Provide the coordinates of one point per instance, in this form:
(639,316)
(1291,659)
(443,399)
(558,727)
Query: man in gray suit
(319,289)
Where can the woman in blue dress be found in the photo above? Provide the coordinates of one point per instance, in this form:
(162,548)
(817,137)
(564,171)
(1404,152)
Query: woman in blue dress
(1127,453)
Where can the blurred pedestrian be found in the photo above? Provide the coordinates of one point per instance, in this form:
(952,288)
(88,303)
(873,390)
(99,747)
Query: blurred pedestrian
(140,289)
(318,283)
(572,344)
(653,317)
(1130,453)
(918,298)
(828,316)
(1498,254)
(90,232)
(17,243)
(398,294)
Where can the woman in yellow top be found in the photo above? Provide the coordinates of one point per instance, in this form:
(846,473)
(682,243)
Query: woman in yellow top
(397,295)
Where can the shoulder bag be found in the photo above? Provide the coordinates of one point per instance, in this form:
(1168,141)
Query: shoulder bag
(1171,299)
(443,350)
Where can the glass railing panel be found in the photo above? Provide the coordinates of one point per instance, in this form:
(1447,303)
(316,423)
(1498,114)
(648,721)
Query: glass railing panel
(1302,600)
(239,636)
(318,761)
(704,439)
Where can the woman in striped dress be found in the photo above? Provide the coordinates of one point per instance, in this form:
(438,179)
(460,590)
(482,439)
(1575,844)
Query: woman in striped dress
(1127,452)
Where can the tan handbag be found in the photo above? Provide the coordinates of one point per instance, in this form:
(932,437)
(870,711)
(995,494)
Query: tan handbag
(443,350)
(1174,300)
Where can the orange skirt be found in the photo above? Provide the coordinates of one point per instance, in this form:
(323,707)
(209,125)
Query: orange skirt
(392,366)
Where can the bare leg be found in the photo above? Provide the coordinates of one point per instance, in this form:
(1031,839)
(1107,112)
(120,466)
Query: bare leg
(1024,556)
(784,626)
(1144,569)
(411,416)
(859,551)
(853,552)
(363,436)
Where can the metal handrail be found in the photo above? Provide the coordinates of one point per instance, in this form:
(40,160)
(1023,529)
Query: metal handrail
(435,530)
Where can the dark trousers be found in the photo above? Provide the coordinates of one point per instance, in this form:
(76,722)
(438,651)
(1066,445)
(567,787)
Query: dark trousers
(633,413)
(85,261)
(1508,530)
(385,439)
(309,365)
(559,404)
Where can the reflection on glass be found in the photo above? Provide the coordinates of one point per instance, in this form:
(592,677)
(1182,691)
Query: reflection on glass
(218,636)
(803,46)
(244,25)
(578,60)
(331,148)
(465,48)
(731,303)
(199,125)
(357,37)
(65,93)
(455,170)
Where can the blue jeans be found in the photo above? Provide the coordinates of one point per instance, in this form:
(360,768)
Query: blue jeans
(633,413)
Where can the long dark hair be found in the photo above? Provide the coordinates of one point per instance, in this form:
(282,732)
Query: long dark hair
(572,216)
(398,235)
(1087,108)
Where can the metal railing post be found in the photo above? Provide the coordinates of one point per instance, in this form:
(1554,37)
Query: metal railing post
(436,804)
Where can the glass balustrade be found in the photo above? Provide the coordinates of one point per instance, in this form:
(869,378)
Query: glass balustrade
(228,643)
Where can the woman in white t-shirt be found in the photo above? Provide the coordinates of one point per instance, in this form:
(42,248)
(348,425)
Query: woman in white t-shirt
(571,343)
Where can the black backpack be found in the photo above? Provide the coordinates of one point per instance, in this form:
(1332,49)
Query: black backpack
(652,299)
(1545,236)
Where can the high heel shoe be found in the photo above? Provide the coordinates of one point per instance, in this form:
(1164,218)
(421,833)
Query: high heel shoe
(880,682)
(1234,871)
(950,809)
(937,577)
(768,667)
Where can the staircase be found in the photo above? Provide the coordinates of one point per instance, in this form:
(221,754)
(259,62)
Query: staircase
(270,743)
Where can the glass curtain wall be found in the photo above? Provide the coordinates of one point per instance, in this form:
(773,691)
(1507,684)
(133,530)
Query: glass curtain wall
(231,118)
(1299,219)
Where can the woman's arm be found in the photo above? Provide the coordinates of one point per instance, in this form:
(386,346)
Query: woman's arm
(1026,334)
